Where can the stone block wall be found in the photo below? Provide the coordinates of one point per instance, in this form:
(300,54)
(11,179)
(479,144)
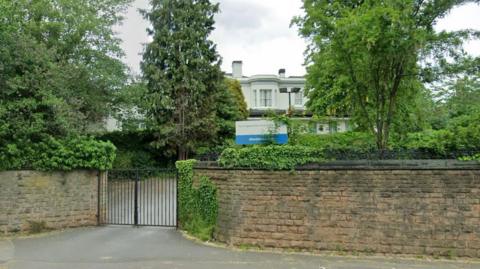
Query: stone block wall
(57,199)
(419,212)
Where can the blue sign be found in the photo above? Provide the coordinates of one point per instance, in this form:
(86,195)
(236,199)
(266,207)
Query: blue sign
(256,132)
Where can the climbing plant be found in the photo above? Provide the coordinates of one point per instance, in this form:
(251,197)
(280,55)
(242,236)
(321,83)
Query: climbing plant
(197,203)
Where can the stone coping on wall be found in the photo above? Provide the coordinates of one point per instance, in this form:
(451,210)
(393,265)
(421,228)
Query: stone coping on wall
(368,165)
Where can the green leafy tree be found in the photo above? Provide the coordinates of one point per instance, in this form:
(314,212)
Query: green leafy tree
(236,90)
(231,107)
(182,72)
(59,65)
(459,96)
(368,58)
(130,106)
(80,63)
(465,97)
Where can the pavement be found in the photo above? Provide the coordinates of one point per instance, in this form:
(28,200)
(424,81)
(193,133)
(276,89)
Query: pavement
(124,247)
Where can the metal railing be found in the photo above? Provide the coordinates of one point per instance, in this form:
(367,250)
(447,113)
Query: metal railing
(142,197)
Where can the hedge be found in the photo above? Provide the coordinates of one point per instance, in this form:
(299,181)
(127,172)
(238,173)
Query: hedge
(58,154)
(273,157)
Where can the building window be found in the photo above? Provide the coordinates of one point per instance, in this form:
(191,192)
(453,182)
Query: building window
(323,128)
(299,98)
(265,98)
(255,101)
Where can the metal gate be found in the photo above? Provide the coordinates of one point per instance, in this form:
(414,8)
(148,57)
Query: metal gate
(143,197)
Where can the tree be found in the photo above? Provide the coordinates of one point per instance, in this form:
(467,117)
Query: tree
(182,72)
(81,56)
(58,68)
(231,107)
(130,106)
(236,90)
(368,58)
(464,97)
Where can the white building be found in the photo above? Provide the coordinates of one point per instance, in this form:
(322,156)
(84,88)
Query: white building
(264,92)
(267,93)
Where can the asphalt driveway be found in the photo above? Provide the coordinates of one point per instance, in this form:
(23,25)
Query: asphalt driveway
(142,248)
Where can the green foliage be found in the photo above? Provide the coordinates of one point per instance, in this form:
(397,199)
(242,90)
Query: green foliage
(230,105)
(206,201)
(59,68)
(240,104)
(197,203)
(58,154)
(461,133)
(463,97)
(59,64)
(134,150)
(354,141)
(365,58)
(130,106)
(185,190)
(435,141)
(272,157)
(475,157)
(127,159)
(199,229)
(181,68)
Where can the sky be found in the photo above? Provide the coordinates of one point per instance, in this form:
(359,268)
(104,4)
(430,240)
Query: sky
(259,34)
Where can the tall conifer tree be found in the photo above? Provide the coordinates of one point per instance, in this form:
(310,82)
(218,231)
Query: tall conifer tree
(182,70)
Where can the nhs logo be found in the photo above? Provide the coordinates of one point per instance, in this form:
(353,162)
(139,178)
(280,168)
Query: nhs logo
(256,132)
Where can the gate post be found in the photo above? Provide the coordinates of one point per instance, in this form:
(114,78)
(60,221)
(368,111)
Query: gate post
(135,214)
(177,178)
(99,196)
(102,179)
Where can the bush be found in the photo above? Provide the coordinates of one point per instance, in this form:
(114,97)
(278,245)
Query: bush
(58,154)
(134,150)
(461,134)
(356,141)
(270,157)
(197,206)
(475,157)
(433,141)
(127,159)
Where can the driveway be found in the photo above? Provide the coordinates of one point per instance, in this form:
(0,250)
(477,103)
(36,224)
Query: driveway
(148,247)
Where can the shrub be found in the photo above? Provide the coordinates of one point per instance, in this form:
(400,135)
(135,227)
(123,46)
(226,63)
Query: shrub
(434,141)
(134,150)
(58,154)
(127,159)
(270,157)
(357,141)
(197,206)
(475,157)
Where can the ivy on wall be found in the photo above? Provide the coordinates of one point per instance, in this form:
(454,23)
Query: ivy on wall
(197,203)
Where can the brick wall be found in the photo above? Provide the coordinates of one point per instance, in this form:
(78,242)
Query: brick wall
(60,199)
(420,212)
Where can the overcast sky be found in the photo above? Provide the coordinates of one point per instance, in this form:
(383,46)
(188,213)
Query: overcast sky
(258,33)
